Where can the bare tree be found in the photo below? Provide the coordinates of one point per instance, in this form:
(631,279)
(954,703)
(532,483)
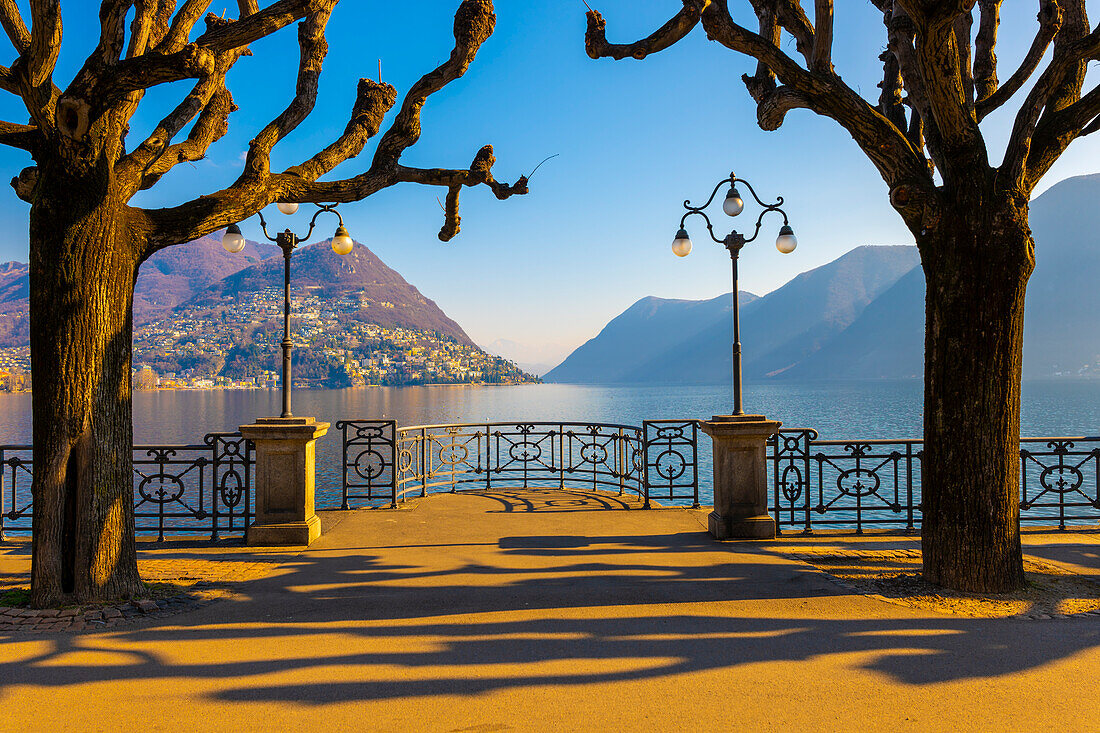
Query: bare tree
(940,80)
(86,241)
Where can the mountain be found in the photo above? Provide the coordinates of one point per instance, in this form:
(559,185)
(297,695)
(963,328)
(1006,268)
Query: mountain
(1063,303)
(176,274)
(209,318)
(385,298)
(643,332)
(689,341)
(170,277)
(862,315)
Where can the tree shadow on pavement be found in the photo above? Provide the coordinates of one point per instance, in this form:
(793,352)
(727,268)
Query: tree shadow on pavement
(399,620)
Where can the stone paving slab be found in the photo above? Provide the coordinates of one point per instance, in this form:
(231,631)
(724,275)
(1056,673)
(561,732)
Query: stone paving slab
(537,611)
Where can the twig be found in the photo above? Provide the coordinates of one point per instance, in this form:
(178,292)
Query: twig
(543,161)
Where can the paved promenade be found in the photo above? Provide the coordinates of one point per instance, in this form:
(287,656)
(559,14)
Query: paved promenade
(550,610)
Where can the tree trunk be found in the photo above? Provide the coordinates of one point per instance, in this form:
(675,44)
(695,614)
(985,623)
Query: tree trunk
(977,262)
(82,269)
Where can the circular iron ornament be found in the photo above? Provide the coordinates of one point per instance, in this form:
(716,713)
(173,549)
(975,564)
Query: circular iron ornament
(1060,484)
(670,465)
(593,453)
(404,460)
(231,494)
(524,451)
(369,464)
(368,432)
(792,491)
(850,482)
(453,454)
(162,496)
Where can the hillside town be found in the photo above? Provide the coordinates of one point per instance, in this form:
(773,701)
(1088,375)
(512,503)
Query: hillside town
(235,344)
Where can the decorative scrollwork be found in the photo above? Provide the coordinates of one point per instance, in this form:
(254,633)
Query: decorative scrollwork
(593,453)
(1060,484)
(524,451)
(369,432)
(158,494)
(792,490)
(369,464)
(851,482)
(670,465)
(452,454)
(231,489)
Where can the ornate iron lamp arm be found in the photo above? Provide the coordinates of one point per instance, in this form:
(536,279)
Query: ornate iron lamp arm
(699,209)
(767,207)
(321,208)
(263,225)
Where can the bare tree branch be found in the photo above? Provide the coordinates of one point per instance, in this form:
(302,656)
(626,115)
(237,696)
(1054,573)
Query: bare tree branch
(211,126)
(1056,130)
(595,40)
(112,34)
(141,28)
(985,48)
(1057,87)
(196,59)
(132,169)
(372,102)
(474,22)
(14,26)
(1050,20)
(45,40)
(822,62)
(182,23)
(963,24)
(793,19)
(24,137)
(313,47)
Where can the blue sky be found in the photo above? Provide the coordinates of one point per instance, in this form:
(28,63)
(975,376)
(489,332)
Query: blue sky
(634,139)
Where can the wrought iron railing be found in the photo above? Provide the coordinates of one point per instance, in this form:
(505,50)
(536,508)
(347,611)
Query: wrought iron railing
(384,463)
(860,483)
(178,489)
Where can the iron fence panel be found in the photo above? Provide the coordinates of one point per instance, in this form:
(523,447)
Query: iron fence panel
(178,489)
(671,458)
(369,461)
(857,483)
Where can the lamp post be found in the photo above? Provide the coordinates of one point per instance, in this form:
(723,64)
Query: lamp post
(233,241)
(734,241)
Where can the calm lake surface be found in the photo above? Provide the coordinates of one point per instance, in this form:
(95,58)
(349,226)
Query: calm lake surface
(835,410)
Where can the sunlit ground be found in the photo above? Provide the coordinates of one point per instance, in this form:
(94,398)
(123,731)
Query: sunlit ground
(553,610)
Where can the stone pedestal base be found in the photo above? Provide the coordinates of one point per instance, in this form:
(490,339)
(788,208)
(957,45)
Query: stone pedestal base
(740,476)
(284,533)
(285,471)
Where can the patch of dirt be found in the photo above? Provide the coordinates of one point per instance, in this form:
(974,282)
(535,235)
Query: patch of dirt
(895,576)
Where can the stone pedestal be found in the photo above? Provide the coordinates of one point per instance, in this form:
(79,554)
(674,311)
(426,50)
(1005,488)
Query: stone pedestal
(740,476)
(285,470)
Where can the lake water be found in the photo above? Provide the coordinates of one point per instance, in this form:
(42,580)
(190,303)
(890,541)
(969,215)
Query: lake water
(835,410)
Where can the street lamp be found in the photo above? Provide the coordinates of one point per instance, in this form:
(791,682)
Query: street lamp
(734,241)
(233,241)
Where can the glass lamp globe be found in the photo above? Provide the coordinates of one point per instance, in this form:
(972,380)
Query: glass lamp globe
(786,241)
(341,241)
(287,207)
(681,245)
(733,205)
(233,240)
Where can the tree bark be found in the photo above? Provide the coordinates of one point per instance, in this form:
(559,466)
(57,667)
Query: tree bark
(82,269)
(977,260)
